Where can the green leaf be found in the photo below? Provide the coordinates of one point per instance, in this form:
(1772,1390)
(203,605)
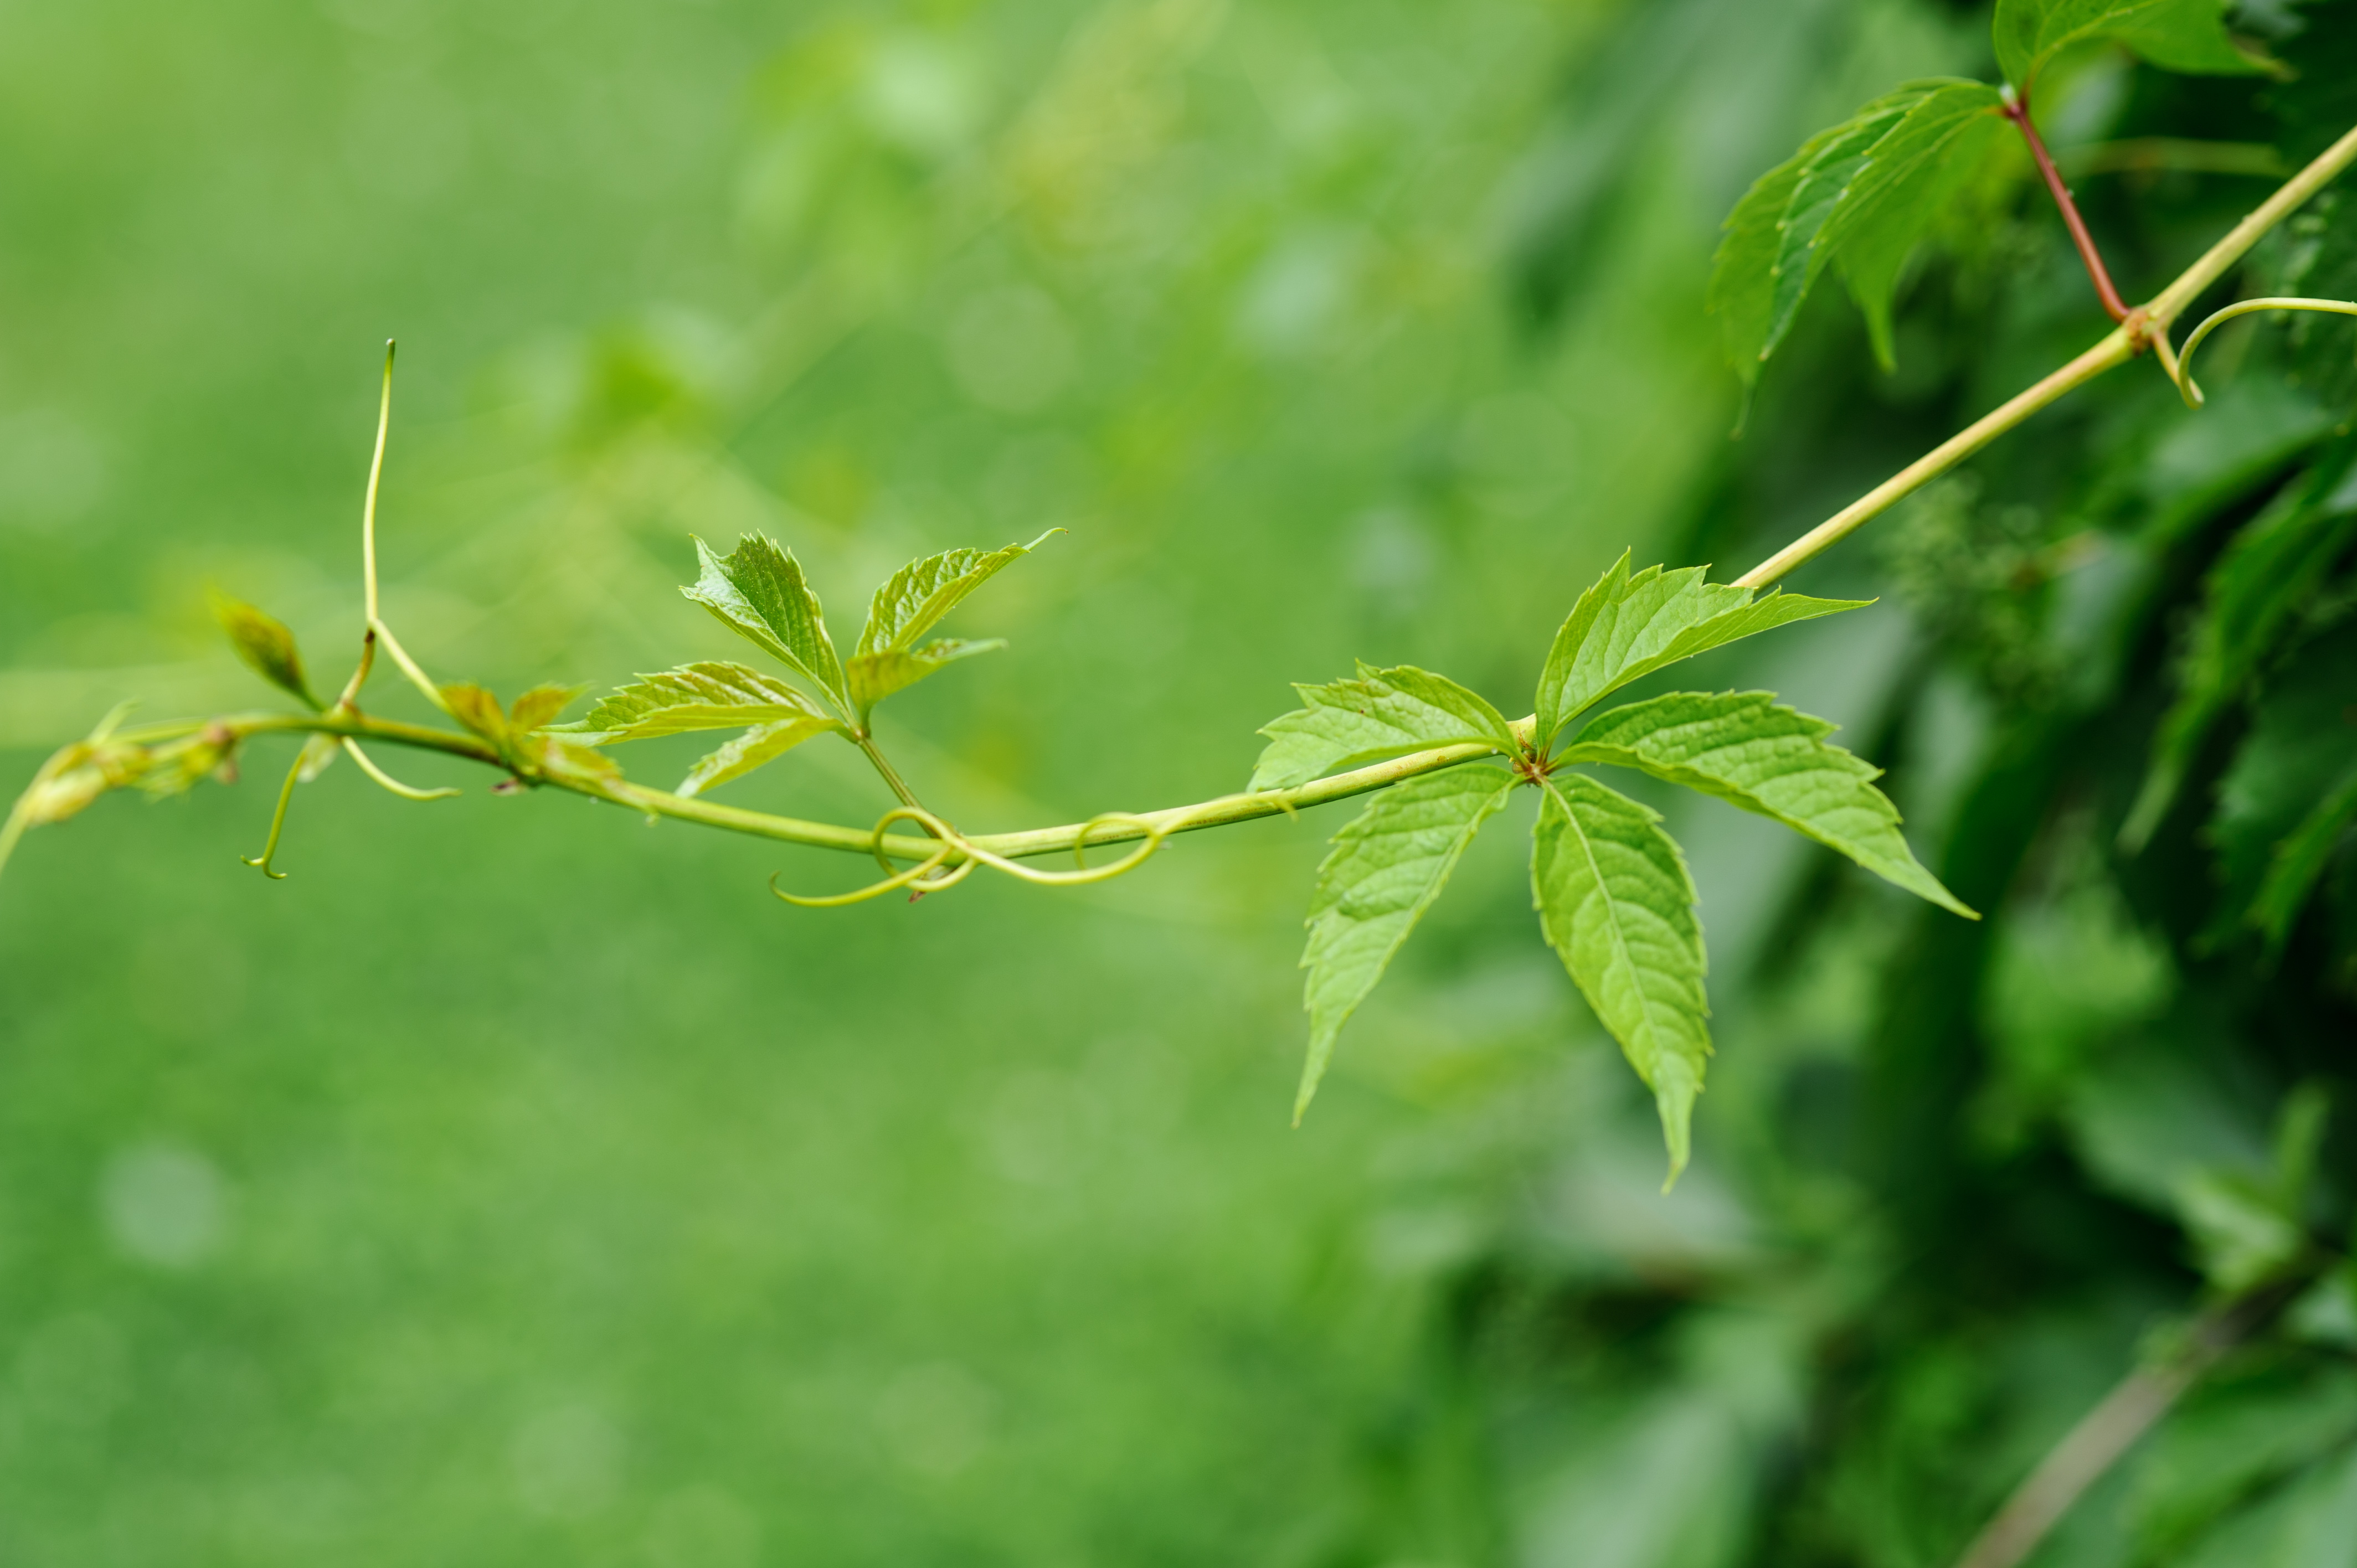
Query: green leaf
(2250,604)
(1624,628)
(1746,749)
(910,604)
(703,696)
(876,676)
(2299,860)
(476,709)
(2187,36)
(754,748)
(534,710)
(1616,906)
(1378,713)
(2290,792)
(915,598)
(757,590)
(1867,191)
(1386,869)
(266,645)
(1910,187)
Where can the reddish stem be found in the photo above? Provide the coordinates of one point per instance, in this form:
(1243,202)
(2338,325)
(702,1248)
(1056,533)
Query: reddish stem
(2017,111)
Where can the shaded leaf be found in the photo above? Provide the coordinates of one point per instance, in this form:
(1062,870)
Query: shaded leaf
(1386,869)
(1624,628)
(754,748)
(1376,714)
(266,645)
(1746,749)
(1911,189)
(702,696)
(1865,191)
(757,590)
(2187,36)
(2293,779)
(1616,906)
(2250,604)
(873,677)
(2299,860)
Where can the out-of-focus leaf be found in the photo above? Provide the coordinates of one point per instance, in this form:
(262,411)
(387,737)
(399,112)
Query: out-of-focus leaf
(2247,1227)
(1386,869)
(757,590)
(2187,36)
(876,676)
(266,645)
(2228,1444)
(1376,714)
(1864,191)
(751,750)
(2299,860)
(2287,799)
(1744,749)
(1624,628)
(703,696)
(1908,192)
(2241,1235)
(1616,906)
(535,708)
(476,709)
(2273,567)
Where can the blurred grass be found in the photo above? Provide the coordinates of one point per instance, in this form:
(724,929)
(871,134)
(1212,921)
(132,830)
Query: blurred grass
(518,1183)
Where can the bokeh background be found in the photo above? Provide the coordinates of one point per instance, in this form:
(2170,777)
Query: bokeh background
(517,1183)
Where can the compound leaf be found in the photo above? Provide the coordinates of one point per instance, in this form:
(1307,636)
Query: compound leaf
(754,748)
(1376,714)
(266,645)
(1626,626)
(1616,906)
(1865,191)
(1907,189)
(876,676)
(703,696)
(1746,749)
(1386,869)
(2187,36)
(757,590)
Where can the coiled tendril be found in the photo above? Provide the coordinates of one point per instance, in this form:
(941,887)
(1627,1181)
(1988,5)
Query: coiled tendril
(2180,364)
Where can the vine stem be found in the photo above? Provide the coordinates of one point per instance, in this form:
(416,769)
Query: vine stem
(2099,1437)
(2146,327)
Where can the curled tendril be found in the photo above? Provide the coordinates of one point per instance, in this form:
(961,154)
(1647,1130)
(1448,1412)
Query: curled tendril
(917,875)
(387,781)
(957,855)
(278,820)
(2180,364)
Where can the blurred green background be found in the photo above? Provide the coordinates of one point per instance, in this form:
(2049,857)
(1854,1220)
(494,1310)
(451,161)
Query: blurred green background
(517,1183)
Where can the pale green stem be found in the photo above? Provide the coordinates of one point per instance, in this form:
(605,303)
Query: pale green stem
(2143,327)
(2180,367)
(891,775)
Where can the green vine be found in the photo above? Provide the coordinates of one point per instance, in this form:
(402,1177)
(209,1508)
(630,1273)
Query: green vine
(1610,888)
